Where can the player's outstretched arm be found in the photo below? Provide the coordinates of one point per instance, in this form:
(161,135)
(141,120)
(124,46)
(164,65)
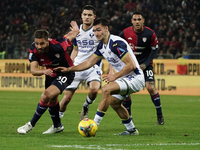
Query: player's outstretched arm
(83,66)
(38,72)
(74,31)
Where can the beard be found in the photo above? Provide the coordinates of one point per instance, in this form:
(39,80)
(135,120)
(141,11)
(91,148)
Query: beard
(42,50)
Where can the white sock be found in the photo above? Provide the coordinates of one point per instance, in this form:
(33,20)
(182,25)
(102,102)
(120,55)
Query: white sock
(88,102)
(97,119)
(129,126)
(61,114)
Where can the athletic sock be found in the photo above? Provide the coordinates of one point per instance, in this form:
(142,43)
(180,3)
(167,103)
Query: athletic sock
(88,102)
(127,104)
(54,112)
(156,100)
(41,108)
(128,124)
(99,116)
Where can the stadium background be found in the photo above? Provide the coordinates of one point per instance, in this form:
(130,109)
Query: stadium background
(176,23)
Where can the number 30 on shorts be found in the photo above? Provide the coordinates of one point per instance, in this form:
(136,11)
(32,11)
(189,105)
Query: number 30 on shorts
(62,79)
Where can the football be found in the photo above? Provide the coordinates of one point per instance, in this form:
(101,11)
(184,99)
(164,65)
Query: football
(87,127)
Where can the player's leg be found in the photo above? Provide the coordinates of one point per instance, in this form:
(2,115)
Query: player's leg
(127,104)
(94,88)
(52,93)
(155,97)
(107,91)
(108,99)
(69,92)
(93,78)
(124,116)
(65,101)
(41,108)
(58,85)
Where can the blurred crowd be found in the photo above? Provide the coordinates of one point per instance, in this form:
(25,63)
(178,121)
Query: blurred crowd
(175,22)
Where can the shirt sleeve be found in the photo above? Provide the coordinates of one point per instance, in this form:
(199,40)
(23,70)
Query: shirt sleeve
(119,48)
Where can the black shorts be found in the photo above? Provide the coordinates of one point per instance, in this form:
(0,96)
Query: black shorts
(148,74)
(61,81)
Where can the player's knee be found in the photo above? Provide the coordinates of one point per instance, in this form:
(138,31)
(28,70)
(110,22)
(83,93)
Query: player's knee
(106,90)
(151,89)
(45,96)
(94,90)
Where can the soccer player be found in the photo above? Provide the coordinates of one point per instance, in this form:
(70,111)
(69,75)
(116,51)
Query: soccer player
(84,46)
(144,43)
(128,79)
(50,53)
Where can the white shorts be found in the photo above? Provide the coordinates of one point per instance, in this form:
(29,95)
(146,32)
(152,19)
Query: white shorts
(91,74)
(129,85)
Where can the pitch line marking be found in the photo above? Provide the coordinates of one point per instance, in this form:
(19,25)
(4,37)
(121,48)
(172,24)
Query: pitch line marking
(106,146)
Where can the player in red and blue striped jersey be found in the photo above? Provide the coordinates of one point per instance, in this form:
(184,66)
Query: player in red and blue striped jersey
(144,44)
(50,53)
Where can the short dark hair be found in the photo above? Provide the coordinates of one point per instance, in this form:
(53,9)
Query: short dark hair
(41,33)
(138,13)
(90,7)
(102,21)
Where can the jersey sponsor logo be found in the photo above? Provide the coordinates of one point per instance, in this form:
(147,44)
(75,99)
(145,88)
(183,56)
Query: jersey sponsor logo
(144,39)
(111,59)
(114,45)
(85,42)
(137,53)
(130,38)
(57,55)
(42,59)
(139,47)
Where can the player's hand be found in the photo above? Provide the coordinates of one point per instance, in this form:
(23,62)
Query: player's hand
(74,29)
(62,69)
(108,78)
(48,72)
(142,66)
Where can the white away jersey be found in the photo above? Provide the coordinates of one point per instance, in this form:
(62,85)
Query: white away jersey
(87,44)
(114,52)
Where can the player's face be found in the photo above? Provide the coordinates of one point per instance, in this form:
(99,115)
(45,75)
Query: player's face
(138,22)
(88,17)
(101,33)
(41,45)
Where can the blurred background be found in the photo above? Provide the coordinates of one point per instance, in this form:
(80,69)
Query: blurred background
(175,22)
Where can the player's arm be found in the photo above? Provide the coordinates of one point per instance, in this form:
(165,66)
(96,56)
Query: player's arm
(83,66)
(110,69)
(129,66)
(74,31)
(38,72)
(154,50)
(74,52)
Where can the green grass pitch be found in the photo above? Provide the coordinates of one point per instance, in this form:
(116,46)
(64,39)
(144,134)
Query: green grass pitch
(180,131)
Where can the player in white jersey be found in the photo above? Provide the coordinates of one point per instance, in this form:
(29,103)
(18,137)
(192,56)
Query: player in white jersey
(128,79)
(85,45)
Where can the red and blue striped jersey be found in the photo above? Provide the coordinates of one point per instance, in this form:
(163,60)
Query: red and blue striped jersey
(142,43)
(56,56)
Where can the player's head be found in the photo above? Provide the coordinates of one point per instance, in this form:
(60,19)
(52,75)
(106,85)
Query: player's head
(41,40)
(100,28)
(138,21)
(88,14)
